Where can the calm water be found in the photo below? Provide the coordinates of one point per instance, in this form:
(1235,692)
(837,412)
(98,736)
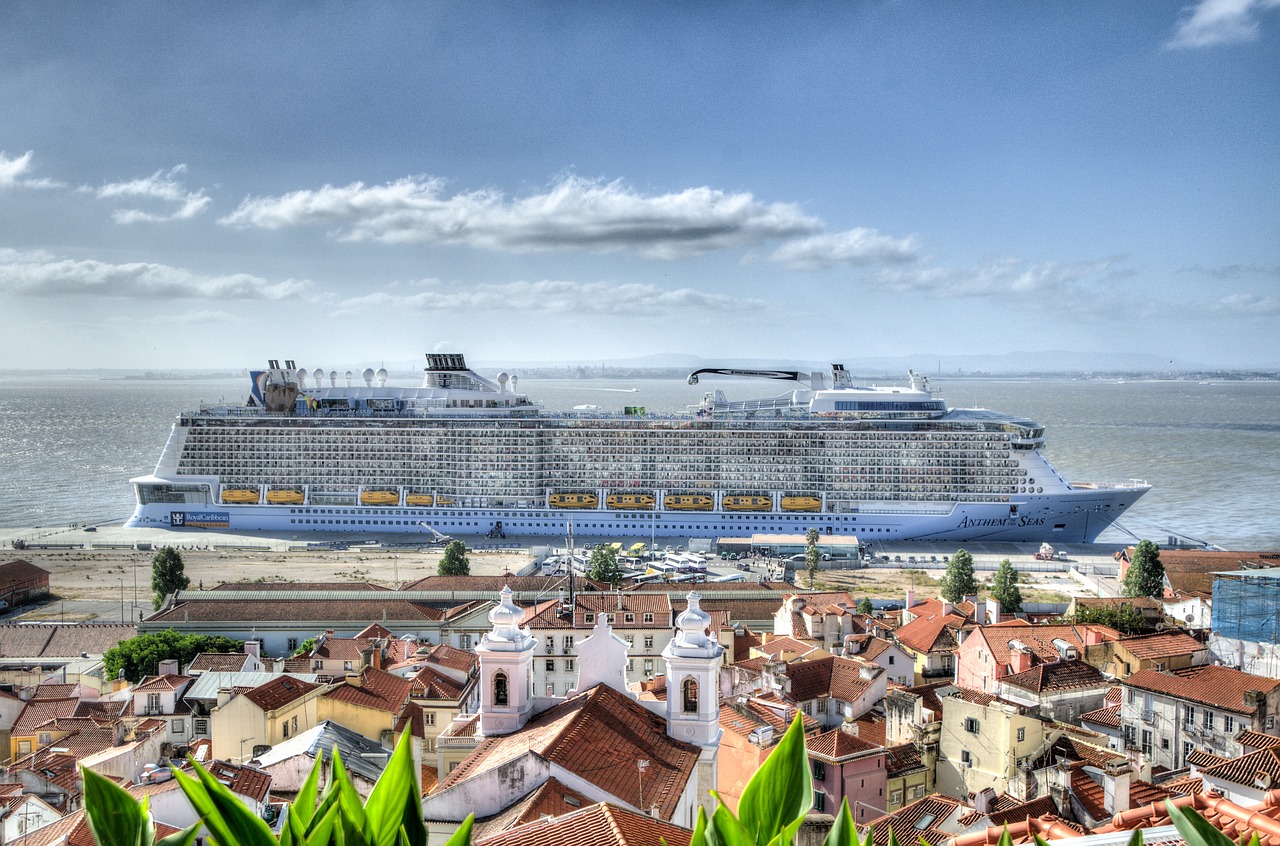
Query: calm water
(68,445)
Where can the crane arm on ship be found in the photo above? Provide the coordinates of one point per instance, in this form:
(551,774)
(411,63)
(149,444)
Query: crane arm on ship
(780,375)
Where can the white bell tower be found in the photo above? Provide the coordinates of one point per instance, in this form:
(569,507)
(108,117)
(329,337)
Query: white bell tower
(693,678)
(506,670)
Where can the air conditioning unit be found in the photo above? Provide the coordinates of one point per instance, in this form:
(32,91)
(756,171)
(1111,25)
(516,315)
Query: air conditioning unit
(1148,716)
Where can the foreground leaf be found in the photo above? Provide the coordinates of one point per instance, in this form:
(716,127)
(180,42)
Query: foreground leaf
(115,817)
(780,792)
(843,831)
(395,805)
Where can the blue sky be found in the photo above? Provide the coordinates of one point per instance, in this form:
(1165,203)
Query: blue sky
(210,185)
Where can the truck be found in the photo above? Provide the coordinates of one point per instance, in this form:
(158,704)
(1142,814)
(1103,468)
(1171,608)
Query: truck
(1046,553)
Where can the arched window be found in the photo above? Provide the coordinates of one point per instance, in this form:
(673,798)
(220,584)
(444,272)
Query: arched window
(499,688)
(690,691)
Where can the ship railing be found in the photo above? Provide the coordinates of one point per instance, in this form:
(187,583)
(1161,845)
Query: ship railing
(1109,486)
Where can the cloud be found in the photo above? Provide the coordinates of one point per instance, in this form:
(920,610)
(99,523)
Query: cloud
(574,214)
(202,316)
(162,186)
(41,275)
(12,170)
(1233,271)
(854,247)
(1212,22)
(554,297)
(1249,305)
(1000,277)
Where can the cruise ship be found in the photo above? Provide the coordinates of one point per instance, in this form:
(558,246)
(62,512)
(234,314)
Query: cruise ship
(466,455)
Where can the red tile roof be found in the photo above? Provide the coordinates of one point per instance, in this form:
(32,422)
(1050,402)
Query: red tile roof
(1057,675)
(38,711)
(279,692)
(431,684)
(1251,739)
(932,632)
(340,648)
(297,611)
(1246,769)
(837,745)
(1234,820)
(604,824)
(452,658)
(598,735)
(1090,794)
(915,820)
(1219,687)
(247,781)
(1108,716)
(168,681)
(1038,639)
(1161,645)
(218,662)
(378,689)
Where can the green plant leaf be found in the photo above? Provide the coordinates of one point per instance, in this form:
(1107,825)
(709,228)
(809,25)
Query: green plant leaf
(323,825)
(843,832)
(699,836)
(1136,839)
(462,837)
(780,792)
(230,823)
(726,830)
(893,838)
(181,838)
(115,817)
(1195,829)
(304,806)
(1005,839)
(353,817)
(395,804)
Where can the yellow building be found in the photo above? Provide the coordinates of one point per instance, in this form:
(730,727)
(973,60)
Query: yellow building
(368,703)
(264,716)
(984,742)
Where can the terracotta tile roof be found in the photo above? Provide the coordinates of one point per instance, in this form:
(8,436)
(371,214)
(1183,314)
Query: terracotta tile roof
(837,745)
(871,728)
(38,711)
(929,694)
(378,689)
(1236,821)
(1038,639)
(809,679)
(1162,645)
(340,648)
(753,665)
(744,610)
(1007,809)
(296,611)
(317,587)
(20,571)
(598,735)
(1246,769)
(375,631)
(1202,759)
(428,779)
(546,615)
(279,692)
(779,645)
(1109,716)
(1057,675)
(550,799)
(245,780)
(452,658)
(742,643)
(411,720)
(901,760)
(915,820)
(62,765)
(1115,696)
(218,662)
(431,684)
(872,647)
(1251,739)
(491,584)
(53,691)
(1193,569)
(744,717)
(608,825)
(1090,794)
(1219,687)
(639,604)
(932,632)
(168,681)
(1185,786)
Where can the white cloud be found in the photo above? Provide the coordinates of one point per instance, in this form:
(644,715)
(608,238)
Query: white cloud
(12,172)
(1249,305)
(574,214)
(202,316)
(39,274)
(162,186)
(858,247)
(1212,22)
(1000,277)
(554,297)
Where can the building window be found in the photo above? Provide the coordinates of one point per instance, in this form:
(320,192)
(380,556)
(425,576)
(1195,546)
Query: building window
(648,618)
(178,726)
(1022,735)
(428,718)
(966,758)
(648,641)
(1189,717)
(346,665)
(918,793)
(648,666)
(689,691)
(822,706)
(568,644)
(1228,723)
(284,728)
(1187,749)
(819,771)
(1208,719)
(971,725)
(890,660)
(568,665)
(1146,742)
(590,618)
(1130,737)
(153,703)
(464,641)
(292,645)
(1133,694)
(819,801)
(45,738)
(200,727)
(1164,743)
(294,721)
(499,688)
(551,689)
(629,618)
(895,797)
(551,665)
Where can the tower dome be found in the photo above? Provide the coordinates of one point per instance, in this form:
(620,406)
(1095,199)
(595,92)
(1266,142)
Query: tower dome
(693,623)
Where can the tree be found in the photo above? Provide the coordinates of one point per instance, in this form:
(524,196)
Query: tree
(167,575)
(864,606)
(811,555)
(141,656)
(455,561)
(1145,576)
(603,565)
(1121,616)
(959,582)
(1004,588)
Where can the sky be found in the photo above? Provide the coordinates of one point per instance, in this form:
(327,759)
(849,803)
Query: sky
(211,185)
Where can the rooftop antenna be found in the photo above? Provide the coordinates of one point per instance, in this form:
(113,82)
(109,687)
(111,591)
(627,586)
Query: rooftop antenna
(641,764)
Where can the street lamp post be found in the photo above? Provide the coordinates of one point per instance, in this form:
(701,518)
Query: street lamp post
(122,617)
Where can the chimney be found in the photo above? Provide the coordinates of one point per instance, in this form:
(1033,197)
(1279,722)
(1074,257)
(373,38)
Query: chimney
(355,680)
(1115,787)
(849,727)
(911,598)
(972,600)
(167,667)
(254,648)
(985,800)
(947,608)
(224,696)
(1019,659)
(993,611)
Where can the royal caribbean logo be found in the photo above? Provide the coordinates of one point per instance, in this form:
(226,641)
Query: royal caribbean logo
(200,519)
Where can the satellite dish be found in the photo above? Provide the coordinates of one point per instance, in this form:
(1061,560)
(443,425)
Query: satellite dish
(1190,618)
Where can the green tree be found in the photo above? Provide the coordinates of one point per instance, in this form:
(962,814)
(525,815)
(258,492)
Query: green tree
(1004,588)
(864,606)
(959,581)
(1145,576)
(603,565)
(455,561)
(167,574)
(1121,616)
(141,656)
(811,538)
(305,647)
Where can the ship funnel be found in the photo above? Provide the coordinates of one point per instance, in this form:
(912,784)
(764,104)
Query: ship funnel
(367,376)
